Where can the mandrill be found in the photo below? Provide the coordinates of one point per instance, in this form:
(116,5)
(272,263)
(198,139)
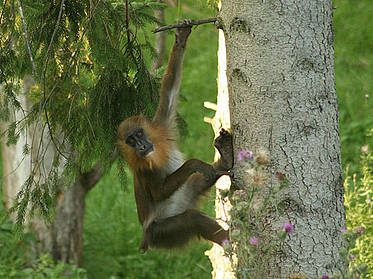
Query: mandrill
(167,188)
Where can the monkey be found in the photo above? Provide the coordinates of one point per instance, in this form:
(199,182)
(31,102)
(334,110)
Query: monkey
(167,188)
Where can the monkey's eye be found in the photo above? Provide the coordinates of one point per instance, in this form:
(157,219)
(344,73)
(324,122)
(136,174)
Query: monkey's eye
(139,134)
(131,141)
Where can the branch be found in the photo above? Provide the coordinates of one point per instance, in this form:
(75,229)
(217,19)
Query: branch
(184,24)
(92,177)
(43,77)
(26,38)
(127,23)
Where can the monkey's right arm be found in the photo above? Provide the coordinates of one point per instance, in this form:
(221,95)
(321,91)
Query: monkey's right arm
(178,178)
(210,172)
(171,80)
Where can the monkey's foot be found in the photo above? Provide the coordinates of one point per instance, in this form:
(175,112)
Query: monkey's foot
(224,143)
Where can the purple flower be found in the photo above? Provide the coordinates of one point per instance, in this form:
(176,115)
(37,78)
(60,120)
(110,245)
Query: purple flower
(254,240)
(288,227)
(368,201)
(325,277)
(366,96)
(343,230)
(352,258)
(225,242)
(244,155)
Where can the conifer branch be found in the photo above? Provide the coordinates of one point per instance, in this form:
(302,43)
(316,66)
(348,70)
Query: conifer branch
(53,35)
(127,22)
(184,24)
(26,39)
(44,72)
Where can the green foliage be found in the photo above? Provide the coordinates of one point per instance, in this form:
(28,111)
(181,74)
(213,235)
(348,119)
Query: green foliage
(45,268)
(359,212)
(90,74)
(18,260)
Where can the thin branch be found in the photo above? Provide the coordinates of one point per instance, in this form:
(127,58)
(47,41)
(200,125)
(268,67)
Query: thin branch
(93,176)
(26,39)
(53,35)
(127,22)
(44,72)
(184,24)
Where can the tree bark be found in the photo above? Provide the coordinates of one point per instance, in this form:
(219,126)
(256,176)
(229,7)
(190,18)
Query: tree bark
(281,83)
(63,237)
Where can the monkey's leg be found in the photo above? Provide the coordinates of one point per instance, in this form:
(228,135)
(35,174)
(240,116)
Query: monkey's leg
(177,230)
(224,145)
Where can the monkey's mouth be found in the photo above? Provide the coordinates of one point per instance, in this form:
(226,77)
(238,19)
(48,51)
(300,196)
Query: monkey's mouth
(146,151)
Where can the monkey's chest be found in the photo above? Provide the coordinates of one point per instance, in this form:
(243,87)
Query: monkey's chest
(181,199)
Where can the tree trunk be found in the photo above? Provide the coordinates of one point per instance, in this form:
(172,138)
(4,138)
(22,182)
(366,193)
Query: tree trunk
(283,100)
(63,237)
(222,266)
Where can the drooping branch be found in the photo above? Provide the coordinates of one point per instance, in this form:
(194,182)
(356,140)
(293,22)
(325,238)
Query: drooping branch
(26,38)
(92,177)
(184,24)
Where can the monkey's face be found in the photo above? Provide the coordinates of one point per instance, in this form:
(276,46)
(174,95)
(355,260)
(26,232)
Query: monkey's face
(144,145)
(139,141)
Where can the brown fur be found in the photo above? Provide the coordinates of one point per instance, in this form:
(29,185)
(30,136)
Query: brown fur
(161,138)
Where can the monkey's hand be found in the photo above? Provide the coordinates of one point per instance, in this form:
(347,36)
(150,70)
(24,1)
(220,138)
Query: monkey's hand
(224,145)
(182,33)
(210,173)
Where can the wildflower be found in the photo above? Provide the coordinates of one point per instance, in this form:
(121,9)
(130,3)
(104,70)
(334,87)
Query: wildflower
(262,157)
(325,277)
(225,242)
(280,176)
(257,177)
(359,230)
(254,240)
(245,155)
(365,149)
(288,227)
(366,96)
(368,201)
(352,258)
(343,230)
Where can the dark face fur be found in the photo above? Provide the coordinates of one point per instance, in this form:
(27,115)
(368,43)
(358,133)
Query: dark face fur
(139,141)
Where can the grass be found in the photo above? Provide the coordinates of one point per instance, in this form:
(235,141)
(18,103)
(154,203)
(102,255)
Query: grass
(354,73)
(112,232)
